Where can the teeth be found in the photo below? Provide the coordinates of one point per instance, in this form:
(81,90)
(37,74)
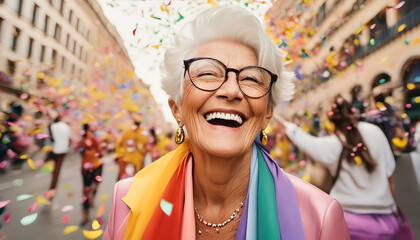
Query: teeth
(226,116)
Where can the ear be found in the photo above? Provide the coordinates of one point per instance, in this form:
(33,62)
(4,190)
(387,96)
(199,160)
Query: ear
(176,111)
(267,117)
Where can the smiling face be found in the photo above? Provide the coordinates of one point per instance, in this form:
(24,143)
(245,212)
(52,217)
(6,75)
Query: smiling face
(222,123)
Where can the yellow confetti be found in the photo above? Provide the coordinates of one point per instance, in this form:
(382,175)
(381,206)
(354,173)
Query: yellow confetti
(359,30)
(92,234)
(384,59)
(95,224)
(31,164)
(156,46)
(42,201)
(306,178)
(213,3)
(417,40)
(356,42)
(23,156)
(411,86)
(70,229)
(358,160)
(401,27)
(400,143)
(104,197)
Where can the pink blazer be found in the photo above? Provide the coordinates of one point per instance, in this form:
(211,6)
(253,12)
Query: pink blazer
(322,215)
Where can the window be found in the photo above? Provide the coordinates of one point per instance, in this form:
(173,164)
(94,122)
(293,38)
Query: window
(15,5)
(77,24)
(34,14)
(41,57)
(54,56)
(31,42)
(70,16)
(67,40)
(63,62)
(61,6)
(57,32)
(11,66)
(46,22)
(15,39)
(74,47)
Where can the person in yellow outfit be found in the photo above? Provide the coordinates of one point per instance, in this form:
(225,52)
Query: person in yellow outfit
(133,145)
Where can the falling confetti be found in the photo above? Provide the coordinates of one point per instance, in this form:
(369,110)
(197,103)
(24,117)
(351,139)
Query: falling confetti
(17,182)
(134,31)
(25,221)
(180,17)
(92,234)
(67,208)
(42,201)
(95,224)
(104,197)
(4,203)
(31,164)
(70,229)
(166,207)
(33,207)
(23,197)
(65,219)
(358,160)
(6,217)
(101,211)
(401,27)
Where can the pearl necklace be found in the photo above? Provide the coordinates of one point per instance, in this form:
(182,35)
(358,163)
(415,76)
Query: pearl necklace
(218,226)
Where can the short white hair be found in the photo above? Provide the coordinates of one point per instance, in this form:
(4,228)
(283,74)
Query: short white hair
(225,23)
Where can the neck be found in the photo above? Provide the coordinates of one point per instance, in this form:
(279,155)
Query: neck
(220,184)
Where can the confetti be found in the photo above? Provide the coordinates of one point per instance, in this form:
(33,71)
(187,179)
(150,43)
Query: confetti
(358,160)
(6,217)
(95,224)
(134,31)
(4,203)
(180,17)
(67,208)
(372,41)
(101,211)
(3,164)
(70,229)
(92,234)
(42,201)
(166,207)
(17,182)
(23,197)
(31,164)
(401,27)
(27,220)
(33,207)
(65,219)
(104,197)
(212,3)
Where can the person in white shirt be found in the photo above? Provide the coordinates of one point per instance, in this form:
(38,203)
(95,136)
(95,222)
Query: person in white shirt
(60,134)
(359,154)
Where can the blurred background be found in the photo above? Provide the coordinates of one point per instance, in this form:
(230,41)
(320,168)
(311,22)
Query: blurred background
(96,62)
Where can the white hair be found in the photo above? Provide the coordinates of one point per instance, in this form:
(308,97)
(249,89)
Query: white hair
(225,23)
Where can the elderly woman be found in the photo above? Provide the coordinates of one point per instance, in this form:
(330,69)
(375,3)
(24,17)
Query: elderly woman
(224,77)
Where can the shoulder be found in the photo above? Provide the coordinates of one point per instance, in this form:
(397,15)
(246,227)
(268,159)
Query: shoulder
(322,215)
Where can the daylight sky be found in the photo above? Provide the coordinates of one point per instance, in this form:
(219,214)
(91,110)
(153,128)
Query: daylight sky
(148,26)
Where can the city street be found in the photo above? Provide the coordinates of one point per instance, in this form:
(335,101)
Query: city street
(65,207)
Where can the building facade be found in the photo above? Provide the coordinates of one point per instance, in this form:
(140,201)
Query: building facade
(350,46)
(68,52)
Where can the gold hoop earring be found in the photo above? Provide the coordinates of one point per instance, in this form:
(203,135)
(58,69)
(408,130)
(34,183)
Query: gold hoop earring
(179,136)
(263,137)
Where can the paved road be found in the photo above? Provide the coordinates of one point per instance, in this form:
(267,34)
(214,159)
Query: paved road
(48,224)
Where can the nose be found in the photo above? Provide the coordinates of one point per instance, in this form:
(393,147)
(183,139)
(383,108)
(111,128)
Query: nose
(230,89)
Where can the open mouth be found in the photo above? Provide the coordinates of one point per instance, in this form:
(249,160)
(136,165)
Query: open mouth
(224,119)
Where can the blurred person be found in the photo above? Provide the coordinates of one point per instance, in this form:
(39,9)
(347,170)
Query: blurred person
(359,158)
(133,145)
(61,140)
(91,169)
(224,77)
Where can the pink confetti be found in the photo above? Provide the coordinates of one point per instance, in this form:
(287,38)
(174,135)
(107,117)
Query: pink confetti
(39,163)
(4,203)
(6,217)
(101,221)
(3,164)
(33,207)
(98,178)
(65,219)
(399,5)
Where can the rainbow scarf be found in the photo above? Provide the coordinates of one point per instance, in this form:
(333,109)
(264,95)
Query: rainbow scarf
(162,206)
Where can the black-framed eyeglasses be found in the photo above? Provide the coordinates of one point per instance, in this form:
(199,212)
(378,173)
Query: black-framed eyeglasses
(209,74)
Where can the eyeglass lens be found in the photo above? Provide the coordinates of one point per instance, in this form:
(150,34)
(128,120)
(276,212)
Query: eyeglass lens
(210,74)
